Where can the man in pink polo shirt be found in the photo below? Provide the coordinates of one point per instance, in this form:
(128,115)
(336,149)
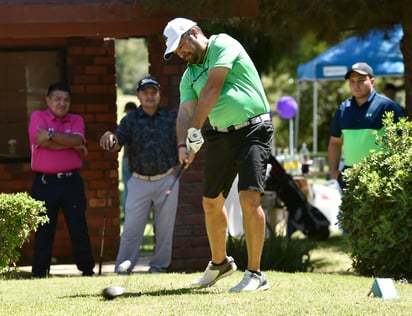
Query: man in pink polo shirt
(57,143)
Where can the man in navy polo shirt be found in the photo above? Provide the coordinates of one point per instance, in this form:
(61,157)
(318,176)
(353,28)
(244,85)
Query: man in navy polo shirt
(356,119)
(150,134)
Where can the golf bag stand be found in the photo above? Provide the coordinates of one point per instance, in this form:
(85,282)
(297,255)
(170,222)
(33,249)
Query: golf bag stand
(302,215)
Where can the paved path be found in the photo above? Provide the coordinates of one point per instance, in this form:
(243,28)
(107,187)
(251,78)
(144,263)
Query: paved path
(71,269)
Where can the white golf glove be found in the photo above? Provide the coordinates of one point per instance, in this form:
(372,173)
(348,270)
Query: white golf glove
(194,139)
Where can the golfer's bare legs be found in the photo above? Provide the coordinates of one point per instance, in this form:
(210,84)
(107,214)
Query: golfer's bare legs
(254,223)
(216,225)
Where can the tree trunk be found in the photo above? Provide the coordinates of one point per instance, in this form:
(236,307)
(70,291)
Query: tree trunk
(406,48)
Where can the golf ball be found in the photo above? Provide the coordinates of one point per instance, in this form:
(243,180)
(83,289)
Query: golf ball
(124,266)
(112,292)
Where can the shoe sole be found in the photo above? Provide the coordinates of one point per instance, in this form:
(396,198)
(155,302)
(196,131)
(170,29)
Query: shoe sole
(263,287)
(224,275)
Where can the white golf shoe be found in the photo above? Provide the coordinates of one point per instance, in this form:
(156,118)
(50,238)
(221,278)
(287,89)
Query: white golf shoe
(214,273)
(251,282)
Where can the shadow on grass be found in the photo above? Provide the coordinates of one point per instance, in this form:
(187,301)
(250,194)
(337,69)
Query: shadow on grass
(333,256)
(163,292)
(336,243)
(166,292)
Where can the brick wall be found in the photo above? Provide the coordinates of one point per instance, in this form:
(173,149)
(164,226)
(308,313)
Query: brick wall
(92,74)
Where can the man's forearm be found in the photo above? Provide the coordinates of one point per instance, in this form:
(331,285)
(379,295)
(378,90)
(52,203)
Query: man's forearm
(64,141)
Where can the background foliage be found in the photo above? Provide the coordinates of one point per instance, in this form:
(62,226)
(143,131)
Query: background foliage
(377,206)
(132,61)
(20,214)
(279,253)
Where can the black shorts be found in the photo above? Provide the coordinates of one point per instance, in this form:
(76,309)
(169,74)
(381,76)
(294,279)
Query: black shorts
(245,151)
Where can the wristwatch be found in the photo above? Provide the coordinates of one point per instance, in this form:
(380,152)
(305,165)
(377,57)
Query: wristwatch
(50,135)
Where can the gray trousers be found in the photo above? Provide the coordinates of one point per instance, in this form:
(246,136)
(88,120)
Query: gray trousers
(142,197)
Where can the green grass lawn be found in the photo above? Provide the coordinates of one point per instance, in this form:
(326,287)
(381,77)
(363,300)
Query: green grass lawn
(329,290)
(332,256)
(170,294)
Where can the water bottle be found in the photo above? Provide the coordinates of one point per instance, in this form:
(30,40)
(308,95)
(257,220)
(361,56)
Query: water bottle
(304,158)
(297,165)
(288,161)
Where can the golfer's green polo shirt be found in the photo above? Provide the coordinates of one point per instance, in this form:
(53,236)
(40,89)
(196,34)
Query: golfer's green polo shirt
(242,96)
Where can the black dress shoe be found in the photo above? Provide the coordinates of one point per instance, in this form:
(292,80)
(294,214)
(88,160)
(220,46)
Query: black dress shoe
(88,273)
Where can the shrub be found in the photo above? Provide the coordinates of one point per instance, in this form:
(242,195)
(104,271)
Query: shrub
(376,205)
(20,214)
(279,253)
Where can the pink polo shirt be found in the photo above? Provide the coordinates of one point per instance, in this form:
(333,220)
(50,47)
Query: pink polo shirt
(53,161)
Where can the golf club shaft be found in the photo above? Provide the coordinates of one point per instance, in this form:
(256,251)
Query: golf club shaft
(104,221)
(102,245)
(169,191)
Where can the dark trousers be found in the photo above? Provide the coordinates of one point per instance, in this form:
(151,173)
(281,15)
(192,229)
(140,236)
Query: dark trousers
(68,195)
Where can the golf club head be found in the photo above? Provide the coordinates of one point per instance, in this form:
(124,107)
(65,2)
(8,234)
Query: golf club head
(112,292)
(124,266)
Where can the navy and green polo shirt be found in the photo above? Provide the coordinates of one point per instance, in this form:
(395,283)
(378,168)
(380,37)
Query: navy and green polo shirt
(356,125)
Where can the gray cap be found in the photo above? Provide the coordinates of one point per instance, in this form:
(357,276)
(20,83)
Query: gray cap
(360,68)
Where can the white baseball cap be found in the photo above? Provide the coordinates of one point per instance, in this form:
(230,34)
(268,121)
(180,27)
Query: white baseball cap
(173,32)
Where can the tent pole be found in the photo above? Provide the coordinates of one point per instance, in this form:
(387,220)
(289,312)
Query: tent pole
(291,147)
(315,117)
(296,138)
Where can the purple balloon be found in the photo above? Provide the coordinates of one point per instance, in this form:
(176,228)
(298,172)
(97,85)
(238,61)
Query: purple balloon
(287,107)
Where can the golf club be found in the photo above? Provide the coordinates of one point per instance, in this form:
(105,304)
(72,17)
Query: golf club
(103,233)
(177,177)
(104,223)
(112,292)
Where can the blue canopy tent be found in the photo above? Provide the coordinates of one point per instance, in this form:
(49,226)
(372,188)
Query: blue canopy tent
(380,49)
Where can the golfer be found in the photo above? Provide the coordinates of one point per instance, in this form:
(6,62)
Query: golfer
(221,83)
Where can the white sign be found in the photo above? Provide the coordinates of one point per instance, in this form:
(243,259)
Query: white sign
(334,71)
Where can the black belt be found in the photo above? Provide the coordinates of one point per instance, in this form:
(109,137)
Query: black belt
(59,175)
(254,120)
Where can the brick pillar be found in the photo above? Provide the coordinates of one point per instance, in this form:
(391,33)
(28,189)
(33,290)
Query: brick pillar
(92,76)
(190,245)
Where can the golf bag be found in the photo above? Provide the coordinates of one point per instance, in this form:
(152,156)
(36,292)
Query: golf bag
(301,214)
